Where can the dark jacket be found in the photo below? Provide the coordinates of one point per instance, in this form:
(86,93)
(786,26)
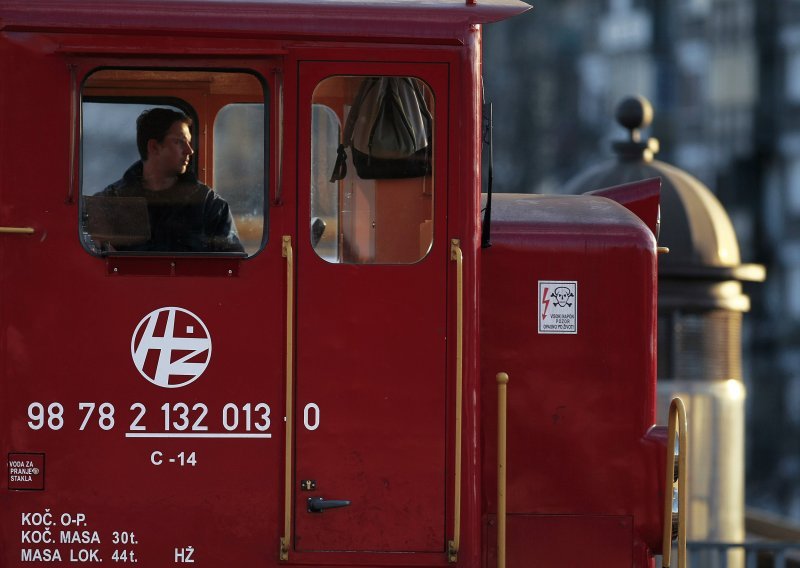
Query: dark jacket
(188,217)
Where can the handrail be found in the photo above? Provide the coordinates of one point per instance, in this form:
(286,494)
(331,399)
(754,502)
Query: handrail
(16,230)
(775,554)
(457,256)
(286,252)
(502,420)
(676,421)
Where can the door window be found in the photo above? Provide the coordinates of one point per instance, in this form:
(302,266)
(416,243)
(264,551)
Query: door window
(372,170)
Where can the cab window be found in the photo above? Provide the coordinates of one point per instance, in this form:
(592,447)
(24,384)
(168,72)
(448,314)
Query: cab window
(173,162)
(371,170)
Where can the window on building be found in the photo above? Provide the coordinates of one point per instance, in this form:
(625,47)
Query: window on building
(793,187)
(793,291)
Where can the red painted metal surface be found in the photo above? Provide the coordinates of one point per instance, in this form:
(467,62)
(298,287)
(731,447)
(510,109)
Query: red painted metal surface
(581,398)
(569,541)
(641,197)
(110,459)
(416,19)
(385,446)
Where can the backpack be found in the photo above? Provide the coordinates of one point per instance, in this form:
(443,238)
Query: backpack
(388,131)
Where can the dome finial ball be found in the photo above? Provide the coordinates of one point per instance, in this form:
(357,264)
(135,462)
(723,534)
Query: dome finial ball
(634,113)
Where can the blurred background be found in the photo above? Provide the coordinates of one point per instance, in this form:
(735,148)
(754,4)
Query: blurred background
(723,77)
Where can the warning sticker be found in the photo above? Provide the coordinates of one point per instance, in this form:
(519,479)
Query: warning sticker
(26,471)
(558,306)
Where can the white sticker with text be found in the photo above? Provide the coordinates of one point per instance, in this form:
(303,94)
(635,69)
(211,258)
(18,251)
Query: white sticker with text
(558,306)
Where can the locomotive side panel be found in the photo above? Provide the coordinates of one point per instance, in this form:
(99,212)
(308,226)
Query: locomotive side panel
(203,408)
(142,401)
(568,311)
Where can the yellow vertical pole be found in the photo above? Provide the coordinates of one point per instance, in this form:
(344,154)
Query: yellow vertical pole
(457,256)
(677,427)
(286,252)
(502,420)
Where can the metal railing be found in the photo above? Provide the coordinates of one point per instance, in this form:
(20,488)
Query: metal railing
(750,554)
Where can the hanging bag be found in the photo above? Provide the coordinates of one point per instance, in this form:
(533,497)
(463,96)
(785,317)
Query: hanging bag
(388,131)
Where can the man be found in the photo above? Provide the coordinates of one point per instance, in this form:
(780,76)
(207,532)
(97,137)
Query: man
(184,214)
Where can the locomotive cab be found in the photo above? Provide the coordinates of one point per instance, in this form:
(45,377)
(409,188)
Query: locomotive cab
(318,392)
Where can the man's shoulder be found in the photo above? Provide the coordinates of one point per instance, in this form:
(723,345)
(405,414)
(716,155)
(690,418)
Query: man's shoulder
(215,201)
(193,189)
(114,189)
(128,183)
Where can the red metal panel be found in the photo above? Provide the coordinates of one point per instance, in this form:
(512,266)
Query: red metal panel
(581,400)
(641,197)
(306,18)
(566,541)
(382,441)
(70,389)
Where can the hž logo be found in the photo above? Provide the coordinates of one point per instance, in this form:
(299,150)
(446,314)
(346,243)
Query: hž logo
(171,347)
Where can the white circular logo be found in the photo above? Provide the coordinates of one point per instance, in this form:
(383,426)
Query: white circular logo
(171,347)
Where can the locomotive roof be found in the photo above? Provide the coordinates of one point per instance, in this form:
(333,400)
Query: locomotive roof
(340,18)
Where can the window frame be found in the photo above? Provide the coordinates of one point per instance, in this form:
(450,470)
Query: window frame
(427,185)
(202,133)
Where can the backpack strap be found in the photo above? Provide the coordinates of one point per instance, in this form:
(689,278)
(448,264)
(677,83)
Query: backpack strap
(340,167)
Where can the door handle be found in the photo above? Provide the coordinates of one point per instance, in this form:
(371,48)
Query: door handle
(319,504)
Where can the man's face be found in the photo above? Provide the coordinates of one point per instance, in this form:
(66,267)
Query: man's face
(173,154)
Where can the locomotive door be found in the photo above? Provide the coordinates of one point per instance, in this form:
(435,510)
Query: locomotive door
(372,261)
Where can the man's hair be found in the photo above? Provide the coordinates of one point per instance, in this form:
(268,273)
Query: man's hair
(154,123)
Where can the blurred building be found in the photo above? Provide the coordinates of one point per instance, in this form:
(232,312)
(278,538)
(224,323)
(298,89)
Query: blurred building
(724,78)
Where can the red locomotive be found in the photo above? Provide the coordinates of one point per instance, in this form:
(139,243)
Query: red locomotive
(299,366)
